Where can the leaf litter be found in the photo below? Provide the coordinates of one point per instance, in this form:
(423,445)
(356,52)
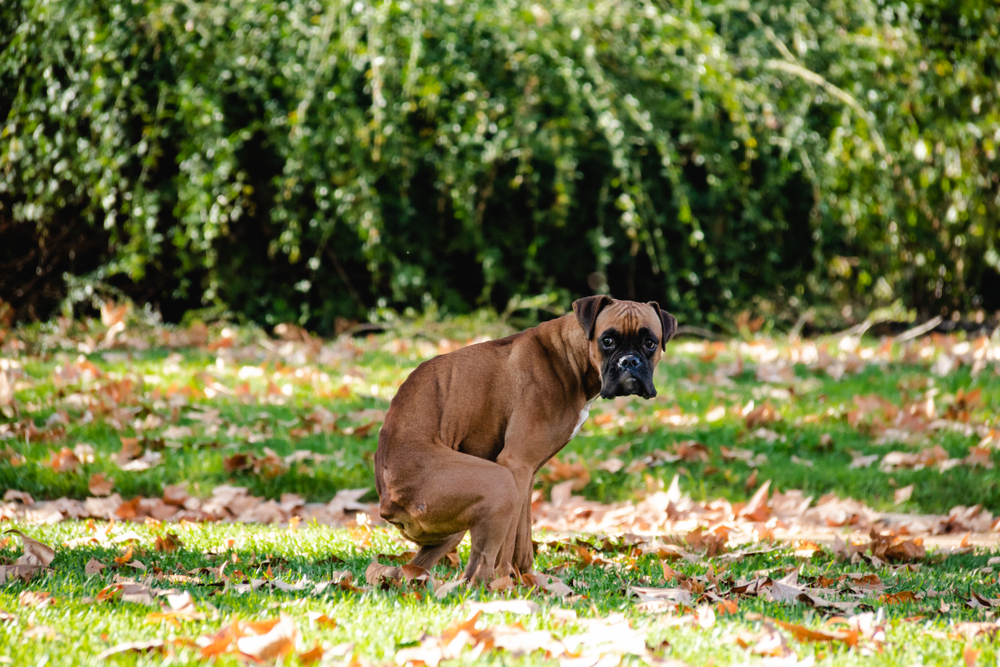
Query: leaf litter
(664,523)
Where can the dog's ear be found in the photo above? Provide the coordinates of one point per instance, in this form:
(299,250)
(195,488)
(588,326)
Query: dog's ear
(668,321)
(587,309)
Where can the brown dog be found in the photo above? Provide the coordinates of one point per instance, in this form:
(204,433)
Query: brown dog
(467,432)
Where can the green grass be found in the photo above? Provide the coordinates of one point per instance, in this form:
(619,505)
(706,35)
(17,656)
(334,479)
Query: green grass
(380,622)
(170,388)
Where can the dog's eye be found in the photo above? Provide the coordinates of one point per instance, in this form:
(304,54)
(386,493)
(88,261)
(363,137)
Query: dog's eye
(650,344)
(608,341)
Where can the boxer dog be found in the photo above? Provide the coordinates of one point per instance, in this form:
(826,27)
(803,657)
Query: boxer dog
(467,431)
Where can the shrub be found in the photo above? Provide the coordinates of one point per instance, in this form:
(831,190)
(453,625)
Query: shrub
(306,161)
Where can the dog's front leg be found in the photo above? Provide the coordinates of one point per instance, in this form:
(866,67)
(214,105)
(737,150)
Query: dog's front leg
(524,478)
(524,550)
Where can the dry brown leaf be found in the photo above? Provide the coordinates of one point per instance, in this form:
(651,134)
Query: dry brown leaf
(35,599)
(726,607)
(93,566)
(501,584)
(180,607)
(416,574)
(312,655)
(859,460)
(130,647)
(432,650)
(556,471)
(804,634)
(361,431)
(19,496)
(168,542)
(519,606)
(137,593)
(109,593)
(100,485)
(175,494)
(444,589)
(782,592)
(757,509)
(321,619)
(705,616)
(978,601)
(270,464)
(896,549)
(381,575)
(275,642)
(129,509)
(547,583)
(131,449)
(902,597)
(64,460)
(691,450)
(971,629)
(903,494)
(670,596)
(755,417)
(237,462)
(35,553)
(767,642)
(219,643)
(125,557)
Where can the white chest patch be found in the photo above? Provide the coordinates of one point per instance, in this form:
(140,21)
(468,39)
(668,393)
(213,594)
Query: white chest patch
(583,417)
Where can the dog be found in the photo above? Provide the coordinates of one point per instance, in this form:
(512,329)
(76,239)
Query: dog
(467,431)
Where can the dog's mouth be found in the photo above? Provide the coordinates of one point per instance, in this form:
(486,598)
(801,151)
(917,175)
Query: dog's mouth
(628,384)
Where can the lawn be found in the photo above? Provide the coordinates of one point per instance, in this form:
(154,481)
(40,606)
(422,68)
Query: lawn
(207,492)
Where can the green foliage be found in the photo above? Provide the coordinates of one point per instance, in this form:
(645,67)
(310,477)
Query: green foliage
(304,160)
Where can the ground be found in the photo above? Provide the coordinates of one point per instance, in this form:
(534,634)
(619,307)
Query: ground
(181,495)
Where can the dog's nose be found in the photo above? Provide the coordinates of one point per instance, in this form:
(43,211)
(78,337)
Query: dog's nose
(629,362)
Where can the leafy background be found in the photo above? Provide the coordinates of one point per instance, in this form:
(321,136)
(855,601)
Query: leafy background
(306,161)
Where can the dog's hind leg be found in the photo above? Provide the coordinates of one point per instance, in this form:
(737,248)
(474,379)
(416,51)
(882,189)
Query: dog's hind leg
(435,498)
(430,554)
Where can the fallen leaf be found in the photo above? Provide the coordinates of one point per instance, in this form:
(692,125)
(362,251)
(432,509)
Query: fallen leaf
(518,606)
(500,584)
(312,655)
(130,450)
(35,553)
(321,619)
(35,599)
(903,494)
(757,508)
(377,574)
(671,596)
(547,583)
(93,566)
(167,542)
(557,471)
(100,485)
(415,573)
(129,509)
(804,634)
(444,589)
(132,647)
(902,597)
(125,557)
(19,496)
(64,460)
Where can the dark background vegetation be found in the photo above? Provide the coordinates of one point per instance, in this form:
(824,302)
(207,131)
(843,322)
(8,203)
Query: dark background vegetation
(306,161)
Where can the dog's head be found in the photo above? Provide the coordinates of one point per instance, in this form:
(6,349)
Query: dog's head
(626,338)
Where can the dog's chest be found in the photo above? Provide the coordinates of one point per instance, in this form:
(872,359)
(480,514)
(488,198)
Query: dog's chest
(584,413)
